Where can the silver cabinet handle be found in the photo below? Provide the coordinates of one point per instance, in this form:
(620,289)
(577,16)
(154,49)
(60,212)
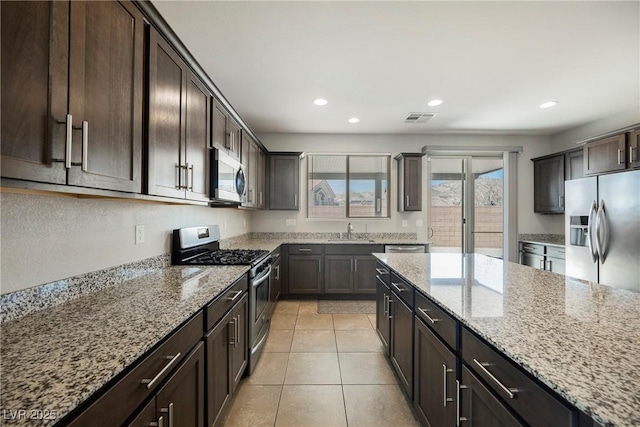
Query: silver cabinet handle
(542,264)
(407,200)
(406,248)
(319,266)
(591,232)
(304,250)
(150,382)
(238,330)
(160,423)
(235,296)
(445,399)
(169,412)
(85,146)
(355,265)
(385,303)
(459,419)
(398,288)
(602,232)
(295,200)
(382,272)
(232,338)
(260,198)
(178,176)
(69,142)
(389,301)
(378,205)
(632,159)
(511,392)
(549,265)
(351,262)
(424,312)
(620,158)
(190,181)
(561,201)
(529,248)
(277,272)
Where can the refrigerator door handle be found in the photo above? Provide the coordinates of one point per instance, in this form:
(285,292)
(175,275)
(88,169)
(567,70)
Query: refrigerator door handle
(591,227)
(602,232)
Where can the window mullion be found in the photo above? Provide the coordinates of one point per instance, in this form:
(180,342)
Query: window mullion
(348,195)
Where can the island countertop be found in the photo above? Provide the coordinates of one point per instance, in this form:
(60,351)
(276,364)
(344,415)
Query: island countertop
(581,339)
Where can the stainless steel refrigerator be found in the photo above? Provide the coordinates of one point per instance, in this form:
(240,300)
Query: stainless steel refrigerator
(602,229)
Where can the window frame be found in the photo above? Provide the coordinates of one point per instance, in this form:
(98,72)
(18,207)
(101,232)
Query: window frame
(347,178)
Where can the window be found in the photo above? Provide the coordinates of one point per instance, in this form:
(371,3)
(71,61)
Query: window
(348,186)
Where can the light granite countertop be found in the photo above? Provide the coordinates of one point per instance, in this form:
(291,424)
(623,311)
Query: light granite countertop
(556,240)
(581,339)
(54,359)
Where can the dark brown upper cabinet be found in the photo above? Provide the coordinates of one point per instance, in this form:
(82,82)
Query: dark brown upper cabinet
(548,184)
(226,132)
(633,139)
(72,93)
(409,181)
(605,155)
(179,126)
(251,153)
(284,181)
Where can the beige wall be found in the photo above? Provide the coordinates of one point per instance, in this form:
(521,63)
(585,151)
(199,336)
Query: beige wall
(48,238)
(528,222)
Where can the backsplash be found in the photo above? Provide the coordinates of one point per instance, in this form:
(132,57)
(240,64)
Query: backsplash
(20,303)
(327,235)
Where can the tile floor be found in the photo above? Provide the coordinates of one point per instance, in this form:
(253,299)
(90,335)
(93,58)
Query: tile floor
(320,370)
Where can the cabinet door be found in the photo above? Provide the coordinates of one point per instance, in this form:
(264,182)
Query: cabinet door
(305,274)
(220,137)
(605,155)
(573,165)
(219,386)
(479,407)
(146,416)
(284,182)
(556,265)
(240,347)
(338,274)
(435,379)
(401,348)
(252,194)
(261,187)
(198,139)
(409,183)
(364,274)
(548,185)
(167,110)
(633,139)
(106,94)
(35,48)
(383,325)
(276,279)
(182,397)
(235,136)
(532,260)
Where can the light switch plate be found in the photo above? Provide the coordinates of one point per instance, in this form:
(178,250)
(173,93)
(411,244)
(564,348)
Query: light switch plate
(139,234)
(418,223)
(291,221)
(404,222)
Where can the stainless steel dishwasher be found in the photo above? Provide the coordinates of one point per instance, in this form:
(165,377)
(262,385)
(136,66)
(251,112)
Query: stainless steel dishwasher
(404,249)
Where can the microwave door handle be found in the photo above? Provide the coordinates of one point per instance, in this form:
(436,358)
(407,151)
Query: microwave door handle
(591,231)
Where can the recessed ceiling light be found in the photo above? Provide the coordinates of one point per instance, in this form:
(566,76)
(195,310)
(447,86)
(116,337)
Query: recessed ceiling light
(435,102)
(354,120)
(320,101)
(548,104)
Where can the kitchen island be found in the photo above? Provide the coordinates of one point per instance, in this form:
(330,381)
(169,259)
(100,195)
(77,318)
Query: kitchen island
(579,339)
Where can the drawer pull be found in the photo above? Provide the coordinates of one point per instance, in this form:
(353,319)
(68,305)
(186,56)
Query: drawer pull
(511,392)
(160,423)
(458,417)
(389,316)
(150,382)
(445,399)
(382,272)
(529,248)
(304,250)
(398,288)
(237,294)
(425,314)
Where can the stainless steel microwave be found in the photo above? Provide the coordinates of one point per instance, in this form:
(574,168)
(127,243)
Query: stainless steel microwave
(228,185)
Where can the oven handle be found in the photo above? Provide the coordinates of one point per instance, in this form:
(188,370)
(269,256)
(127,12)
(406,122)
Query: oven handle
(265,276)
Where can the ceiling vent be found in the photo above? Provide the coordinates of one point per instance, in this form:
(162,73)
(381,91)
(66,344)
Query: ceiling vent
(419,117)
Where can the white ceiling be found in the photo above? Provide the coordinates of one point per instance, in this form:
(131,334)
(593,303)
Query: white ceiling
(492,63)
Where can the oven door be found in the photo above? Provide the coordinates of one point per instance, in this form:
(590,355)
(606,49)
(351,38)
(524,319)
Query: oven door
(227,178)
(261,289)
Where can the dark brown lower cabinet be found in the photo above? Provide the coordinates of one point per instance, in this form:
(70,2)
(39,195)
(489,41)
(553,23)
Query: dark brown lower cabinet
(383,323)
(338,274)
(305,274)
(364,275)
(479,407)
(145,416)
(434,378)
(401,348)
(227,356)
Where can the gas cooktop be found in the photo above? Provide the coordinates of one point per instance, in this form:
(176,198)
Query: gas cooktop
(229,257)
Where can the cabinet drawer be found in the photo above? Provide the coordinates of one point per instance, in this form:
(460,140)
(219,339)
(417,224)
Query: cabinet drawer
(122,399)
(532,248)
(437,319)
(532,402)
(218,308)
(555,252)
(305,249)
(383,274)
(341,249)
(402,289)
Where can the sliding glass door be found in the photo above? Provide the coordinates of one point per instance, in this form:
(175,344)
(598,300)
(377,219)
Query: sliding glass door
(466,204)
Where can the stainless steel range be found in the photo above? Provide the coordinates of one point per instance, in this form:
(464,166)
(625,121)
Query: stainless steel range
(201,246)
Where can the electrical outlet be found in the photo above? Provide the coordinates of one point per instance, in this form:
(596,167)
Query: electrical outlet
(404,222)
(139,234)
(418,223)
(291,221)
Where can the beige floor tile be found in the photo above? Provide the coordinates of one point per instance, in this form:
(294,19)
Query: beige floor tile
(314,321)
(287,307)
(312,368)
(283,321)
(270,369)
(253,405)
(279,341)
(363,341)
(348,322)
(377,405)
(308,307)
(311,406)
(365,368)
(313,342)
(372,319)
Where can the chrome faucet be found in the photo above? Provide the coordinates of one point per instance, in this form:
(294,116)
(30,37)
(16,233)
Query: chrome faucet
(349,231)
